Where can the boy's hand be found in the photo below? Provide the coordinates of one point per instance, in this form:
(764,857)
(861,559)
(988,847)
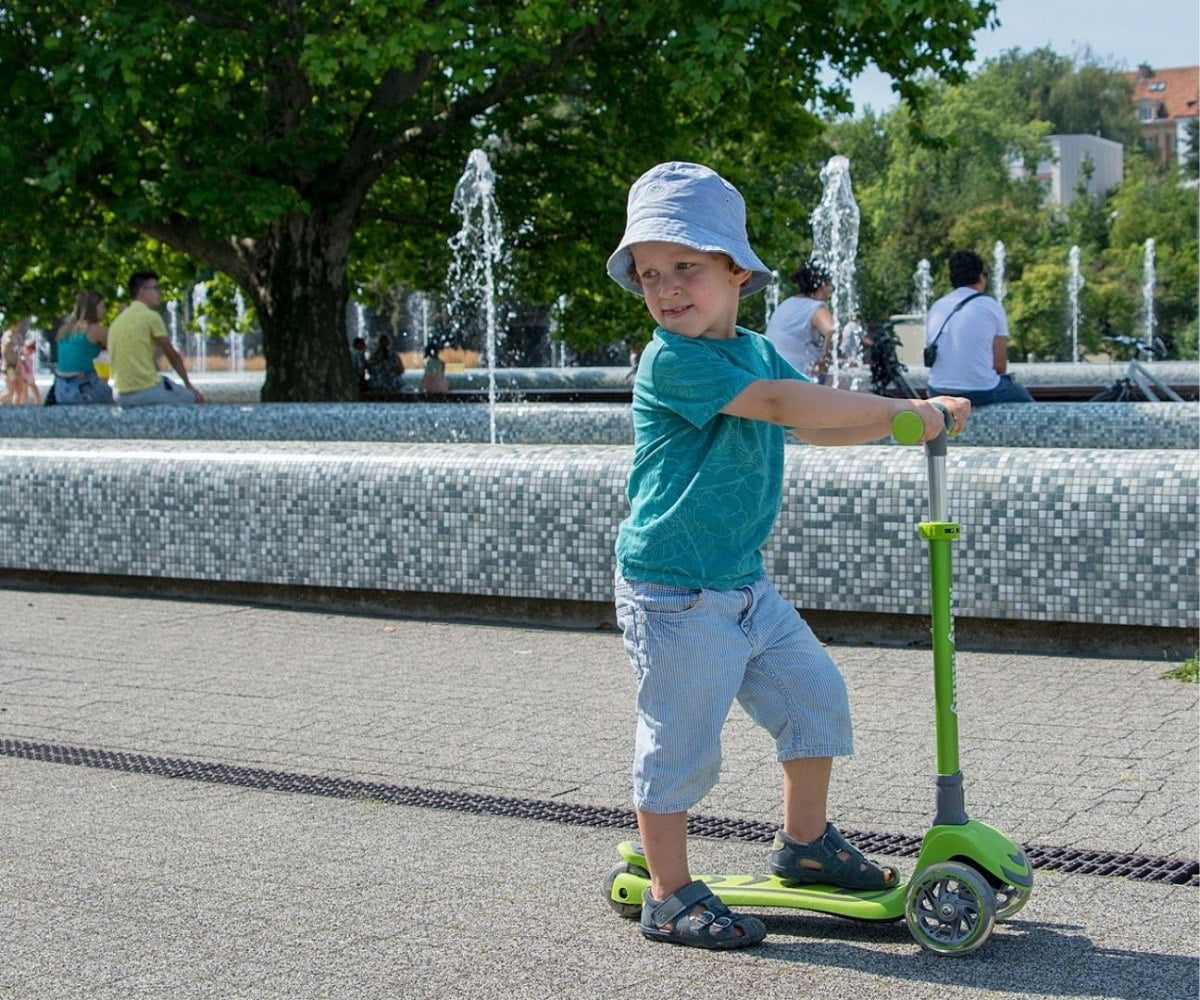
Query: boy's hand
(932,415)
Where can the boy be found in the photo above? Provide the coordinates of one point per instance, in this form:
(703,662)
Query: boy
(702,625)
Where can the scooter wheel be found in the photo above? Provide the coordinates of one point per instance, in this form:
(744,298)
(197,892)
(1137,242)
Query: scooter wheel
(619,899)
(1010,899)
(950,909)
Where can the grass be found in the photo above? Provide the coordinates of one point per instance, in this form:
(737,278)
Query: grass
(1188,671)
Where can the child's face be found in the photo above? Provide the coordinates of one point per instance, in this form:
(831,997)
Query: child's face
(688,292)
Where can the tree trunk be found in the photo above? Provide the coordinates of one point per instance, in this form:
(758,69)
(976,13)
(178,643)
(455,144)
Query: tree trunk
(300,291)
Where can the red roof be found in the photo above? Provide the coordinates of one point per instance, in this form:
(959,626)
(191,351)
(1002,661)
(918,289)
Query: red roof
(1175,90)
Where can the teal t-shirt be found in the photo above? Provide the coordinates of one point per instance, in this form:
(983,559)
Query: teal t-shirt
(76,353)
(705,487)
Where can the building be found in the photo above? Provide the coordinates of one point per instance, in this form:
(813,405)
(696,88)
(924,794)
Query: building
(1166,100)
(1095,162)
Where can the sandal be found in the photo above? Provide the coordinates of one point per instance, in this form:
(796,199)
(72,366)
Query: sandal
(837,863)
(714,926)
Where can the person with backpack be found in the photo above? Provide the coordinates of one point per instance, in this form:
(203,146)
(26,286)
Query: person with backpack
(966,340)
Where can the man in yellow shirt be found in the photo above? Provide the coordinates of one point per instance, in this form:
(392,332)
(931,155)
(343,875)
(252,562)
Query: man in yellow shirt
(134,340)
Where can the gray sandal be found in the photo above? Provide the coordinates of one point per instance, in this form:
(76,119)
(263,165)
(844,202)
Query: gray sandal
(851,872)
(715,926)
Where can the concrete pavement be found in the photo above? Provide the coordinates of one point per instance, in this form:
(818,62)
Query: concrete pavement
(128,884)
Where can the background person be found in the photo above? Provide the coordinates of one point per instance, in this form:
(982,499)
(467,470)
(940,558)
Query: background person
(135,339)
(79,340)
(11,343)
(28,391)
(971,330)
(385,368)
(801,327)
(433,379)
(358,358)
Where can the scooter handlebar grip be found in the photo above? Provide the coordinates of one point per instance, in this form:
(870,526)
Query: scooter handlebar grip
(907,425)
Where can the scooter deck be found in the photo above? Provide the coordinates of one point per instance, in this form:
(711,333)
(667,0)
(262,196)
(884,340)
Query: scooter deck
(770,891)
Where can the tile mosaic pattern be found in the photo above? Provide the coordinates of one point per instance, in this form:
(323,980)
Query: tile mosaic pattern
(245,387)
(1054,425)
(1075,535)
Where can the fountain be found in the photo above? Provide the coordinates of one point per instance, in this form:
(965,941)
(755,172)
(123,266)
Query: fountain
(418,318)
(237,337)
(835,223)
(771,299)
(1148,297)
(1074,286)
(199,339)
(477,254)
(173,323)
(923,282)
(558,345)
(998,287)
(360,320)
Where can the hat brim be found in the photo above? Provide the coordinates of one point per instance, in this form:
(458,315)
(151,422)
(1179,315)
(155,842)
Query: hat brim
(668,230)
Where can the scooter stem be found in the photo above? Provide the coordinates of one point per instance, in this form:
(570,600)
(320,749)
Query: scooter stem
(940,532)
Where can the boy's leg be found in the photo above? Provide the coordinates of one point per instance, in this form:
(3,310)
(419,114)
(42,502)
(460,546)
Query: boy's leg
(806,796)
(795,691)
(664,842)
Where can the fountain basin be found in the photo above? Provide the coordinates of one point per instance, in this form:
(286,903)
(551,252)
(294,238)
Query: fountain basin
(1047,381)
(1093,536)
(1080,425)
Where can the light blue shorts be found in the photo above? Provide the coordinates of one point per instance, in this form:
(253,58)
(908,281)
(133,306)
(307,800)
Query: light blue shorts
(164,392)
(693,652)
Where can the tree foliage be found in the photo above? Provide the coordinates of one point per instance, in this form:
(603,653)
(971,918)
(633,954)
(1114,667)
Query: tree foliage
(975,185)
(306,148)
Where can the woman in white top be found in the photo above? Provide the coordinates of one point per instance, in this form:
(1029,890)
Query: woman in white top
(801,328)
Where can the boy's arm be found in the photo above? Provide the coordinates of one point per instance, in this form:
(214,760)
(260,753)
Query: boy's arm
(823,415)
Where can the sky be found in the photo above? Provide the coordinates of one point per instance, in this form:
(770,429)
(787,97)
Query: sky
(1119,32)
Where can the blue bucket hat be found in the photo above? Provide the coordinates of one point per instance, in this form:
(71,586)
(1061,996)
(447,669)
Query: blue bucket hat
(689,204)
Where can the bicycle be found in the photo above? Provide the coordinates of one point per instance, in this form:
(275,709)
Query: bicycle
(1138,384)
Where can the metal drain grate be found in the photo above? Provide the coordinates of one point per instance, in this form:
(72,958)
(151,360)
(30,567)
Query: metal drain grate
(1140,867)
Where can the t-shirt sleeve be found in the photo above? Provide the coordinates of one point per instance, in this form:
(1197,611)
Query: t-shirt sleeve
(785,369)
(999,319)
(694,382)
(156,326)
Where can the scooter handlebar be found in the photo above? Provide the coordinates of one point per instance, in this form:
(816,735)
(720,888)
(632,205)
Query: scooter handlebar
(907,426)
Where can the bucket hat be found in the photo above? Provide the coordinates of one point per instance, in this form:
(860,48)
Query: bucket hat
(690,204)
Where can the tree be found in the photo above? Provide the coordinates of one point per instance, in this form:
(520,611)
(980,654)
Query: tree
(1190,166)
(924,199)
(919,199)
(1074,96)
(302,146)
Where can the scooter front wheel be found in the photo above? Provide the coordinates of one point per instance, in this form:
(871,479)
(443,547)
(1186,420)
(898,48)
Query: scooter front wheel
(950,909)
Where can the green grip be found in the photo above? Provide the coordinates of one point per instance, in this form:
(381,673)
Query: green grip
(907,427)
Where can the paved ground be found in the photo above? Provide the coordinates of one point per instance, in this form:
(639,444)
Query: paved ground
(122,885)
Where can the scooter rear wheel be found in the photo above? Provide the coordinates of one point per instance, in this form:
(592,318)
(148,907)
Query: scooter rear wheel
(1010,899)
(950,909)
(629,909)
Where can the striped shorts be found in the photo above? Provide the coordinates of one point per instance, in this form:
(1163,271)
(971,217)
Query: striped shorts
(693,652)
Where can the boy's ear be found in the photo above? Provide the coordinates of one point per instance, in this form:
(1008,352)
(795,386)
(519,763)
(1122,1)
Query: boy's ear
(741,274)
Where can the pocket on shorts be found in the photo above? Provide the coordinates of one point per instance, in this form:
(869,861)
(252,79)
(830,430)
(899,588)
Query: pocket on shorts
(665,598)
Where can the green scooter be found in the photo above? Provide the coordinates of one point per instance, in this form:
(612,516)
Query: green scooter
(968,875)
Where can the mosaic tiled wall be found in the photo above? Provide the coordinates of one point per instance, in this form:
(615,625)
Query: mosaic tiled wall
(246,386)
(1051,425)
(1048,534)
